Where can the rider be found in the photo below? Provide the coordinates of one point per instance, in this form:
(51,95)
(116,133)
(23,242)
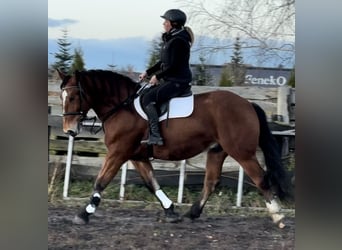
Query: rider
(171,75)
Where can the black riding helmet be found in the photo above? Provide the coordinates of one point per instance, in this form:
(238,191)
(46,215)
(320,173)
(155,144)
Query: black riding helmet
(175,16)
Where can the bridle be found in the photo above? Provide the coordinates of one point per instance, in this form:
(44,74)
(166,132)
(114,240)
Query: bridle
(121,105)
(81,98)
(81,112)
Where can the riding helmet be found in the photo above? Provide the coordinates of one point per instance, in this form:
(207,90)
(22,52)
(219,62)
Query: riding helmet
(175,15)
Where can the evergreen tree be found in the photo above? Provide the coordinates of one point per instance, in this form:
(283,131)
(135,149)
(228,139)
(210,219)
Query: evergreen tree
(156,46)
(237,67)
(78,62)
(112,67)
(63,56)
(292,80)
(236,58)
(225,80)
(202,77)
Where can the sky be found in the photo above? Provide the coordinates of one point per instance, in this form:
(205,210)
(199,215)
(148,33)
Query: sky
(120,32)
(108,19)
(117,32)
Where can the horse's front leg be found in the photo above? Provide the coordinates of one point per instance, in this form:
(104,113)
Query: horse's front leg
(108,171)
(145,170)
(215,159)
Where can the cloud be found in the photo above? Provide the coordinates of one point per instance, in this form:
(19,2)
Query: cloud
(60,22)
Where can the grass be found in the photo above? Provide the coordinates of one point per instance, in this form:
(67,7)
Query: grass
(219,201)
(222,199)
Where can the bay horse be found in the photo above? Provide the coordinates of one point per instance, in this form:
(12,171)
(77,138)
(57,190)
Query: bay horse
(223,123)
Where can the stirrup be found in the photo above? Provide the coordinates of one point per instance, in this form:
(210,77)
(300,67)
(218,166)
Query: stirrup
(153,141)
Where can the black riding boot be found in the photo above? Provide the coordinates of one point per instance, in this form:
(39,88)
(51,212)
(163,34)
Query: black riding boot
(153,119)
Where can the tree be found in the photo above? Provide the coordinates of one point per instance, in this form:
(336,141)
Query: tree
(78,62)
(292,80)
(156,46)
(238,70)
(111,67)
(201,75)
(226,79)
(236,58)
(128,70)
(63,56)
(267,27)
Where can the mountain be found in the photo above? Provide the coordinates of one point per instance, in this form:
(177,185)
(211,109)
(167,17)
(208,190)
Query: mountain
(98,54)
(134,51)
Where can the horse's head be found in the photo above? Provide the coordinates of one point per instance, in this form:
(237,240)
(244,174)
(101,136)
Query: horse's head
(74,105)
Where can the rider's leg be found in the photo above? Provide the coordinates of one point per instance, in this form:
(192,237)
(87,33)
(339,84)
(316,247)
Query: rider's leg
(153,120)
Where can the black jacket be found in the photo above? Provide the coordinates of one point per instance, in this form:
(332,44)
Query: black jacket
(174,58)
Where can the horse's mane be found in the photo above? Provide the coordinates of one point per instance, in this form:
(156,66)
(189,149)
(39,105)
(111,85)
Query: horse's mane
(108,73)
(107,85)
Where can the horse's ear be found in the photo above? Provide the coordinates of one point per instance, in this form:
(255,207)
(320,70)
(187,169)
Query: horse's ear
(61,74)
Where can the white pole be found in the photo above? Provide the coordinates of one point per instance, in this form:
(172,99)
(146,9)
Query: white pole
(282,103)
(123,181)
(240,186)
(68,167)
(181,181)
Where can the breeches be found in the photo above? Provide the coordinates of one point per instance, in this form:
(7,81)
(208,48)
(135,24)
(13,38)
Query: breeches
(163,92)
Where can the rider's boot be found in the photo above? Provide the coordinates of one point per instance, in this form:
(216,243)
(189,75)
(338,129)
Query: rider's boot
(153,119)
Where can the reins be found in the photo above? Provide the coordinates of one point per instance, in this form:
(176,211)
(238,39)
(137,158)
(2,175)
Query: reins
(129,100)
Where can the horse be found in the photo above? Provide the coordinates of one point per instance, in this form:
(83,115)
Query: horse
(223,123)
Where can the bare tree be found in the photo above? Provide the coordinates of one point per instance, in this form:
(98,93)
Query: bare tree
(266,26)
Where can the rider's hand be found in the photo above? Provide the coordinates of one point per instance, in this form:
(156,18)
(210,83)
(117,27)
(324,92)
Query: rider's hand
(142,76)
(154,80)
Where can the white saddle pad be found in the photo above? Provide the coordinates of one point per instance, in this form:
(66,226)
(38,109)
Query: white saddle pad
(179,107)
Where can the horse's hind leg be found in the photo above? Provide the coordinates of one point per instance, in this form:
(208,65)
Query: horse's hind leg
(215,159)
(257,174)
(146,172)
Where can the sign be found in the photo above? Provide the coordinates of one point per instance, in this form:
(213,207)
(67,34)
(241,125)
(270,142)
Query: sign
(279,81)
(267,77)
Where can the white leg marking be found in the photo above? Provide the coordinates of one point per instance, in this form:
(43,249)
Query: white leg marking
(166,202)
(274,208)
(90,208)
(97,195)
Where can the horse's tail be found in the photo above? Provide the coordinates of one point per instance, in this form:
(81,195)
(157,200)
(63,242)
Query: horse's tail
(275,176)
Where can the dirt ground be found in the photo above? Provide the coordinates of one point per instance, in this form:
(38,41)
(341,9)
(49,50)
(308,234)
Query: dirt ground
(139,227)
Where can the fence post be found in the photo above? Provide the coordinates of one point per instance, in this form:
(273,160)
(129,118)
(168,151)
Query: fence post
(68,167)
(240,187)
(181,181)
(123,181)
(49,134)
(282,103)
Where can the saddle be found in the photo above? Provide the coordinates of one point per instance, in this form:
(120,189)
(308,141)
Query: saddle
(177,107)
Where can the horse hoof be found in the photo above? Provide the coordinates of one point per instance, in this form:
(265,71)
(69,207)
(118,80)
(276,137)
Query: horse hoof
(79,221)
(171,218)
(281,225)
(190,215)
